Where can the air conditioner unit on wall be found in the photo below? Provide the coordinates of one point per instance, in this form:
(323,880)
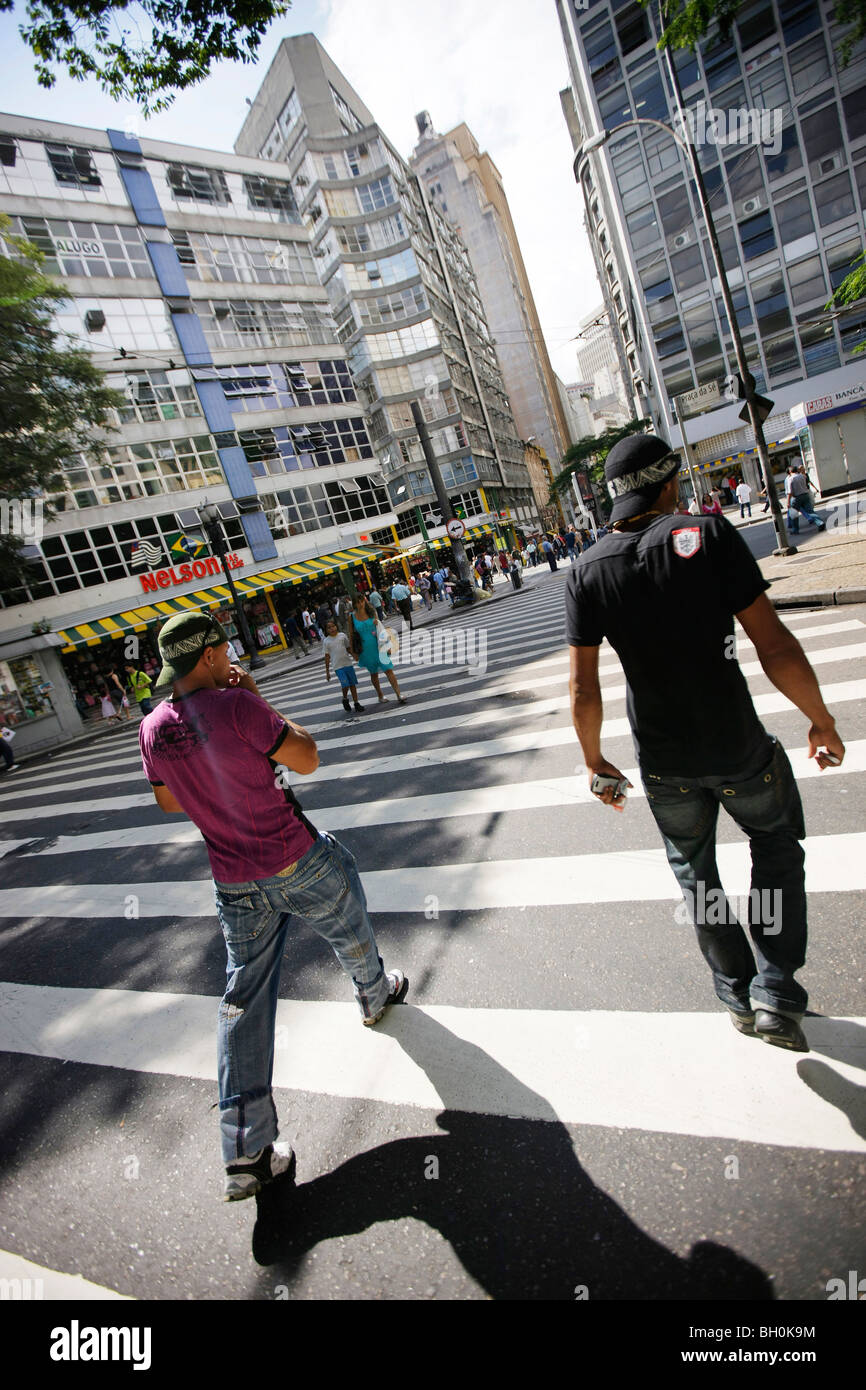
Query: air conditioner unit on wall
(684,238)
(828,164)
(752,205)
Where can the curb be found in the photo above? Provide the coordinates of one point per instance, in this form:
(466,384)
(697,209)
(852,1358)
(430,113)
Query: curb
(821,598)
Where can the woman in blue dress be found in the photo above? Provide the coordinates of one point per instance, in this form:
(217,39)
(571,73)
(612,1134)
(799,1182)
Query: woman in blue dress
(364,631)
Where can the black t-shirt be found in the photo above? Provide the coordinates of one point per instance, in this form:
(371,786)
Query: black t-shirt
(665,599)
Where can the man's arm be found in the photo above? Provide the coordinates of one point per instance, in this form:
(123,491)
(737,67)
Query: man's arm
(298,749)
(587,714)
(166,801)
(785,663)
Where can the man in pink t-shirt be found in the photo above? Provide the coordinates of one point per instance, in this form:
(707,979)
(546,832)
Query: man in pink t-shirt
(217,752)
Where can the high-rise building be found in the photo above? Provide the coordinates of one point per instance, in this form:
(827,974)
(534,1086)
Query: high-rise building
(780,129)
(467,188)
(193,284)
(598,360)
(403,293)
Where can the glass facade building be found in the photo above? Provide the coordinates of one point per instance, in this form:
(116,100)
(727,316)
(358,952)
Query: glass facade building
(780,129)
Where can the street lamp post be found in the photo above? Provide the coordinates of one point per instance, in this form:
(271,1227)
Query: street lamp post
(213,524)
(784,546)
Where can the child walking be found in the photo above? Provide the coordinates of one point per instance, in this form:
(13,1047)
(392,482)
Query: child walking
(336,650)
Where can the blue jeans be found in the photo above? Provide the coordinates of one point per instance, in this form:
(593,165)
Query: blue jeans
(803,503)
(765,803)
(323,889)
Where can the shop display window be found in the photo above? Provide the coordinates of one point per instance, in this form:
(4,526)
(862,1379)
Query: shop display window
(24,692)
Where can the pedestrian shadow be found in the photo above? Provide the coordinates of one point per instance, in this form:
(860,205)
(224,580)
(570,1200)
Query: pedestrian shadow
(505,1190)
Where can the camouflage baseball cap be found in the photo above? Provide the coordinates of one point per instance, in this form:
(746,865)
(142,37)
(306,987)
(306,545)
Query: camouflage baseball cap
(182,641)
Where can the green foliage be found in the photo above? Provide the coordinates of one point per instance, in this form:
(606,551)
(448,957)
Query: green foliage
(852,290)
(588,456)
(148,56)
(52,397)
(688,21)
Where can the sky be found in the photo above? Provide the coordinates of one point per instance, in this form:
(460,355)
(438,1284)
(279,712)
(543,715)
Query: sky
(498,65)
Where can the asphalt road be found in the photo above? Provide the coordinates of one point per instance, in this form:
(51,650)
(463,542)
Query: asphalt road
(561,1105)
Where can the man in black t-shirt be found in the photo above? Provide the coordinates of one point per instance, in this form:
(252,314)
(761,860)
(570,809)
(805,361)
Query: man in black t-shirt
(664,590)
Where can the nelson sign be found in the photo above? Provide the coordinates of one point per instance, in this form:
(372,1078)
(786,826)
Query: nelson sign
(184,574)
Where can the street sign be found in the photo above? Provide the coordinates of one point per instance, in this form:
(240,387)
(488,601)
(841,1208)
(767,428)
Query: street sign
(702,398)
(763,405)
(455,528)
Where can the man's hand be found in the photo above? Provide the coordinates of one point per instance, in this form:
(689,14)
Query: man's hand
(602,768)
(239,678)
(825,745)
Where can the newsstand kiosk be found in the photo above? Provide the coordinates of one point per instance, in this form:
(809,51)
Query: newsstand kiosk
(832,435)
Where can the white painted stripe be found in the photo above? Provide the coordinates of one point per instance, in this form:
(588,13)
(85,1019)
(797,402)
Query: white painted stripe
(526,710)
(52,1285)
(687,1073)
(834,864)
(499,799)
(770,703)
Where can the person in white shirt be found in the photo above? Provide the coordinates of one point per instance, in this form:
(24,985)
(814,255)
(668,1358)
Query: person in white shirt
(337,654)
(744,497)
(694,507)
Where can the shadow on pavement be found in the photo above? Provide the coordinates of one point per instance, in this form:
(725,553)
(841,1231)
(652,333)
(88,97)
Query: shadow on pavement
(510,1197)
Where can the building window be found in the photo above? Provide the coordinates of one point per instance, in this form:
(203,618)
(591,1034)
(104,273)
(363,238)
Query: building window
(757,236)
(290,113)
(854,110)
(271,195)
(189,181)
(789,157)
(794,217)
(771,303)
(721,64)
(822,134)
(94,249)
(377,194)
(807,280)
(841,256)
(798,18)
(632,27)
(156,396)
(73,166)
(809,65)
(834,199)
(820,351)
(211,256)
(8,151)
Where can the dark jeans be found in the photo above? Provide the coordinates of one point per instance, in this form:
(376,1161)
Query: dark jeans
(744,507)
(6,751)
(551,560)
(765,803)
(145,705)
(405,607)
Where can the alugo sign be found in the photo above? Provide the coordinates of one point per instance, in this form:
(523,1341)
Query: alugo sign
(183,574)
(703,398)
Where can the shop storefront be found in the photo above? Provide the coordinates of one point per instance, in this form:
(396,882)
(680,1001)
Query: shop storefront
(92,651)
(36,703)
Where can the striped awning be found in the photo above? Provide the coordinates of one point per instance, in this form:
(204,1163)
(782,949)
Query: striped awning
(745,453)
(99,630)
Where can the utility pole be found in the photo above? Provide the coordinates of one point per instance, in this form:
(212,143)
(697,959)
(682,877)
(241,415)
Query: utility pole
(439,487)
(213,525)
(748,381)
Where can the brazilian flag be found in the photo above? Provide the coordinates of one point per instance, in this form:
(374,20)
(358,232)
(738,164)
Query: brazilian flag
(183,548)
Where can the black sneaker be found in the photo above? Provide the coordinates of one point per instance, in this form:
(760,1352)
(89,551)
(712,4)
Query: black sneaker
(346,705)
(743,1022)
(399,987)
(247,1176)
(359,709)
(780,1030)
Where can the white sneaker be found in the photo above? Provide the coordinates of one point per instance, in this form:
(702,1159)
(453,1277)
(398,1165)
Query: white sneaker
(247,1176)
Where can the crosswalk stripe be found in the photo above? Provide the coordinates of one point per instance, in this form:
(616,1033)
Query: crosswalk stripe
(532,741)
(476,801)
(834,864)
(682,1073)
(52,1285)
